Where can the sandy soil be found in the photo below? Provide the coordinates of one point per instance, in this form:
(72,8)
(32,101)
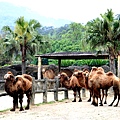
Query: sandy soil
(66,110)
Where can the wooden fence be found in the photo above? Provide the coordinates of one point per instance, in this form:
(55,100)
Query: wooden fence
(42,86)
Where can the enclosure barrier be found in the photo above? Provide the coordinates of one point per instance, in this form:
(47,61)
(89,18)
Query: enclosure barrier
(55,88)
(36,88)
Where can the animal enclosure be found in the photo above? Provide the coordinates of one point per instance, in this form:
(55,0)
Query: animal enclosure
(43,86)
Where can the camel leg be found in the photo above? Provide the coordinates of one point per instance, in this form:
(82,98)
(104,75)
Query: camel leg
(29,94)
(99,95)
(117,101)
(15,99)
(106,91)
(115,97)
(94,102)
(79,89)
(74,93)
(16,102)
(89,100)
(102,94)
(95,97)
(20,101)
(117,92)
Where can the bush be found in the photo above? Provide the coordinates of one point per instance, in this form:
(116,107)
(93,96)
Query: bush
(89,62)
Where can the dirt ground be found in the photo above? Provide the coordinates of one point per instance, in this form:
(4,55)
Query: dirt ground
(66,110)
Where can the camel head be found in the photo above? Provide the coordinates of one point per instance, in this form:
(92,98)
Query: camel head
(63,77)
(78,74)
(9,77)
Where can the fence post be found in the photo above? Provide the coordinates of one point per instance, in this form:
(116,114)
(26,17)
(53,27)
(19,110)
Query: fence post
(45,91)
(66,94)
(56,89)
(33,91)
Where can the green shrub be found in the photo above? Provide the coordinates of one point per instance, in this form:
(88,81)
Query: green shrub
(89,62)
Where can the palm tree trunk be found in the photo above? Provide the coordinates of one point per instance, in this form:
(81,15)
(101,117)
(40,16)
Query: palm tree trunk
(112,64)
(24,57)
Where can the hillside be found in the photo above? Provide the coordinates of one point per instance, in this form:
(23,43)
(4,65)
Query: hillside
(9,13)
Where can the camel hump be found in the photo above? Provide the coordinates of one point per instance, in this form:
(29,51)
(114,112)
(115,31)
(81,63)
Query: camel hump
(63,73)
(99,72)
(109,73)
(101,69)
(94,68)
(27,77)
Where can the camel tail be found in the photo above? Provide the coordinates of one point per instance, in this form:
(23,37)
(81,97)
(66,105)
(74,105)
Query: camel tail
(28,77)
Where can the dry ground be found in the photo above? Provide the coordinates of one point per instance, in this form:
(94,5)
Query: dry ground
(66,110)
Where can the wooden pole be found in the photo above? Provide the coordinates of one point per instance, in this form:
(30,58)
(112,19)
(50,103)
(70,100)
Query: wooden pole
(45,91)
(56,87)
(118,66)
(39,67)
(59,64)
(33,92)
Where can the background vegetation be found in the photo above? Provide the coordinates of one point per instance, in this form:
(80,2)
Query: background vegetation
(99,35)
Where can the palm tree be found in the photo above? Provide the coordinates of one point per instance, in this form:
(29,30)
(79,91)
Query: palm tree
(105,32)
(24,33)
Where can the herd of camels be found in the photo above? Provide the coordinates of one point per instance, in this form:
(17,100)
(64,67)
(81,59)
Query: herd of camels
(96,81)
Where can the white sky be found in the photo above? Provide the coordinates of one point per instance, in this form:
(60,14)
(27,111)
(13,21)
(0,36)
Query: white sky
(74,10)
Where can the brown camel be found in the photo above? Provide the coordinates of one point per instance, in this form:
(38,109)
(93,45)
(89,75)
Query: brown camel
(116,89)
(100,80)
(17,86)
(71,83)
(89,82)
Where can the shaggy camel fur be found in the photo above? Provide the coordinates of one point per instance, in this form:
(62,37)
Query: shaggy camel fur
(82,77)
(71,83)
(17,86)
(89,82)
(48,73)
(90,85)
(116,89)
(100,80)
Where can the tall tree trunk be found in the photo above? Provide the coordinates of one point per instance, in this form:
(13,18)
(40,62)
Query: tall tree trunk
(24,57)
(112,64)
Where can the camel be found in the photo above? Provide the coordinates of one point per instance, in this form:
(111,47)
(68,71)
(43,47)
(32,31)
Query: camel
(100,80)
(116,89)
(72,83)
(89,82)
(16,87)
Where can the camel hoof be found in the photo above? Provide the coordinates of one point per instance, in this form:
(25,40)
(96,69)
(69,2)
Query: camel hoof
(89,100)
(12,109)
(105,102)
(74,101)
(21,109)
(110,105)
(95,104)
(115,105)
(80,101)
(101,104)
(27,108)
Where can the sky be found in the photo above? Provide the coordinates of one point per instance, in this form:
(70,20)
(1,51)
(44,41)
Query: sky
(79,11)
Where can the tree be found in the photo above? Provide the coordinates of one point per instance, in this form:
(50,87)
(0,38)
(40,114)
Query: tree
(105,32)
(76,30)
(25,33)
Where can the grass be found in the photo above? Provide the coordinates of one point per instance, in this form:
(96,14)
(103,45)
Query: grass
(4,110)
(51,102)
